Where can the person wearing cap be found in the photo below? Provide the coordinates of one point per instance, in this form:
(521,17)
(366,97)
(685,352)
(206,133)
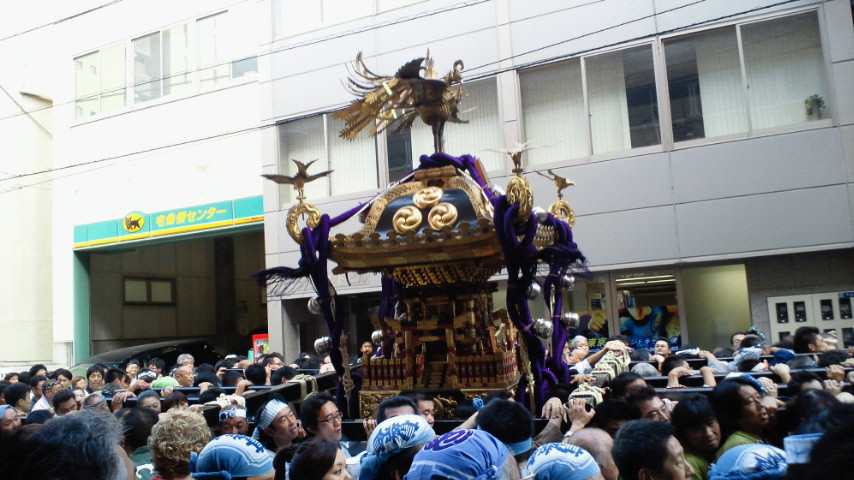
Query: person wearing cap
(563,461)
(10,422)
(463,454)
(392,446)
(49,389)
(232,456)
(277,427)
(164,382)
(750,462)
(232,420)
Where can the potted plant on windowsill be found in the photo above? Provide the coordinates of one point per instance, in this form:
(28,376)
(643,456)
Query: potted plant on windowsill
(813,105)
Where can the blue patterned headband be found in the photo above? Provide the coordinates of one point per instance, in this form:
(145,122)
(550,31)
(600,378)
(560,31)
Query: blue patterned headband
(753,461)
(392,436)
(461,455)
(229,456)
(562,461)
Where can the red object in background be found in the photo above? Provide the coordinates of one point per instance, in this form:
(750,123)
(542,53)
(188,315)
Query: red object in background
(260,344)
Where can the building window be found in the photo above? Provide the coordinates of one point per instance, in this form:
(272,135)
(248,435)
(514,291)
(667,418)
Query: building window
(622,100)
(358,166)
(99,81)
(212,38)
(164,63)
(479,137)
(149,291)
(293,17)
(784,67)
(784,77)
(146,68)
(648,308)
(618,112)
(354,164)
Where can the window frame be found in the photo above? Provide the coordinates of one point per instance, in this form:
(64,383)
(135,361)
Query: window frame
(381,153)
(750,131)
(668,143)
(130,102)
(148,289)
(591,157)
(281,33)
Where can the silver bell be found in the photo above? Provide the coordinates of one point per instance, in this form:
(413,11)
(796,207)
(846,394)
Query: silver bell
(543,328)
(568,282)
(541,214)
(321,345)
(570,319)
(533,291)
(314,305)
(377,337)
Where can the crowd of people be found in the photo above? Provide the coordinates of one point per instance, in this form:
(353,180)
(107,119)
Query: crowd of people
(795,422)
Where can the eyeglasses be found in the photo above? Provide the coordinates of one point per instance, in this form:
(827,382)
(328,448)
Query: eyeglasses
(332,418)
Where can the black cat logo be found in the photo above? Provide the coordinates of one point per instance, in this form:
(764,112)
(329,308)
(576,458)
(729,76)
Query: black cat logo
(133,222)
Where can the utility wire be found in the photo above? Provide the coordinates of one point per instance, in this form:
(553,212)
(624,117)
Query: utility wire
(65,19)
(306,43)
(487,74)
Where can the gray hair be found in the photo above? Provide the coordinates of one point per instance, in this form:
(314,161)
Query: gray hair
(578,339)
(645,370)
(63,448)
(184,356)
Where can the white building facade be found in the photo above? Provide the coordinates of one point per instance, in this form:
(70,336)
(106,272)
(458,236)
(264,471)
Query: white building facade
(711,142)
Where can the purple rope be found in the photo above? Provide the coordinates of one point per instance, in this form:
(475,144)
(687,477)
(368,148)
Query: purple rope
(464,162)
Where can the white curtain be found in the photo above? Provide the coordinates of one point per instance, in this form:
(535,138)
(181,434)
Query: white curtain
(481,133)
(721,90)
(784,66)
(303,140)
(553,113)
(213,50)
(113,78)
(354,162)
(609,115)
(146,70)
(177,63)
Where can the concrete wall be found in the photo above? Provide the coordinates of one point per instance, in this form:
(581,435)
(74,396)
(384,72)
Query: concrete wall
(26,130)
(171,153)
(716,304)
(807,273)
(193,266)
(725,200)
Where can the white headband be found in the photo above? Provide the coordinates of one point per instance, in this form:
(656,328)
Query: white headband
(269,413)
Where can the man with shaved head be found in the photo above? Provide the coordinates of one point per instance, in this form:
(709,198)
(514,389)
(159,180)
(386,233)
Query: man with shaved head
(184,375)
(598,443)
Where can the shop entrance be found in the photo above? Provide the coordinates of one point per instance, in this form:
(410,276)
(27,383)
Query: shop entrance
(178,289)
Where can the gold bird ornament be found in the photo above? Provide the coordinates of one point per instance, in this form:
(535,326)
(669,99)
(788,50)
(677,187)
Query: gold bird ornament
(395,101)
(300,179)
